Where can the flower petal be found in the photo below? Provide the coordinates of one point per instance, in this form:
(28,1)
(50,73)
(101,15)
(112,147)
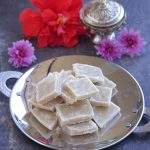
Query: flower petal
(31,22)
(55,5)
(75,7)
(21,54)
(55,40)
(48,15)
(70,38)
(131,41)
(43,37)
(62,5)
(41,4)
(109,49)
(72,42)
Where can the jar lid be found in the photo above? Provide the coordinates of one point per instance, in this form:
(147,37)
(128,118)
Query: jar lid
(102,13)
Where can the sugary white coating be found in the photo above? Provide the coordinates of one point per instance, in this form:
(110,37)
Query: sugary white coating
(80,128)
(29,91)
(103,98)
(45,117)
(79,111)
(92,72)
(81,139)
(65,76)
(48,88)
(108,83)
(49,105)
(114,92)
(30,95)
(34,123)
(68,98)
(81,88)
(103,115)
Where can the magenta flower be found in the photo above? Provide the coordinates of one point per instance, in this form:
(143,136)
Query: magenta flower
(21,54)
(109,49)
(131,41)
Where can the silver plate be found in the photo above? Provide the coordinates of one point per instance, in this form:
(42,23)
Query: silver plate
(130,98)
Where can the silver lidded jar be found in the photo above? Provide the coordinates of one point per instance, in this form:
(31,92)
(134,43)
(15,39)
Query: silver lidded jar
(102,17)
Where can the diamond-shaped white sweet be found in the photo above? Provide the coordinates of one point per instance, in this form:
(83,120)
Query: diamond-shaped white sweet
(81,139)
(109,83)
(68,98)
(29,91)
(103,98)
(29,94)
(45,117)
(80,128)
(65,76)
(79,111)
(114,92)
(49,105)
(81,88)
(34,123)
(48,88)
(92,72)
(104,115)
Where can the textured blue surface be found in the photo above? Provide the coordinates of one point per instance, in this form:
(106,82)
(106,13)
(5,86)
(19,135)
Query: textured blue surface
(138,14)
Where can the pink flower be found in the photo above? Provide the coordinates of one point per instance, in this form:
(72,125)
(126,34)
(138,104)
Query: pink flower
(131,41)
(21,54)
(109,49)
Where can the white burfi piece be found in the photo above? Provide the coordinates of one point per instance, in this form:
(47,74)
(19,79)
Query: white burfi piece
(80,128)
(68,98)
(109,83)
(81,88)
(64,76)
(30,94)
(104,115)
(29,90)
(92,72)
(114,92)
(79,111)
(81,139)
(35,124)
(50,105)
(48,88)
(103,98)
(45,117)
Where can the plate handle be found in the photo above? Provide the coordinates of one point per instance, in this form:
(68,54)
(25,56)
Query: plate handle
(4,76)
(144,128)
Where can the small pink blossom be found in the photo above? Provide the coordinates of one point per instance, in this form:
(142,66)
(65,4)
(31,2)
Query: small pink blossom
(131,41)
(21,54)
(109,49)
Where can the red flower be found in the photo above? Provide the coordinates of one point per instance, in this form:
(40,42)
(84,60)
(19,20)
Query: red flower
(53,23)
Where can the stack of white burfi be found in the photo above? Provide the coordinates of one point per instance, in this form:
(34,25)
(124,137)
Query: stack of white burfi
(78,100)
